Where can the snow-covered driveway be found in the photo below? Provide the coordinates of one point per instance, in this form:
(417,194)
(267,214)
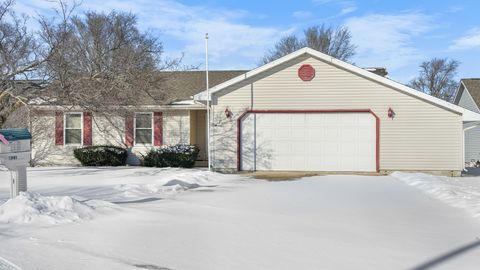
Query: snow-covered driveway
(228,222)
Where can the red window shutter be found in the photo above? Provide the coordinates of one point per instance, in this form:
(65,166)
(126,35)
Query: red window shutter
(58,128)
(157,128)
(87,128)
(129,131)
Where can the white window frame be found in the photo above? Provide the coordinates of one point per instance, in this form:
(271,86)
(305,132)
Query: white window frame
(135,129)
(65,128)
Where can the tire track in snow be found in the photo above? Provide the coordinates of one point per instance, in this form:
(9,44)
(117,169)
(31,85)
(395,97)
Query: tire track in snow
(6,265)
(61,244)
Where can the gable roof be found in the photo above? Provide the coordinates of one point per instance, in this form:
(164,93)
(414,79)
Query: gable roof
(467,115)
(473,87)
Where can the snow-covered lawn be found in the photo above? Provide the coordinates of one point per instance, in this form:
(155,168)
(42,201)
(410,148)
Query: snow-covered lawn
(461,192)
(144,218)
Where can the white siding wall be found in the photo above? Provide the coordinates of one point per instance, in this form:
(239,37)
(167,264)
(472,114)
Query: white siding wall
(421,137)
(176,129)
(472,144)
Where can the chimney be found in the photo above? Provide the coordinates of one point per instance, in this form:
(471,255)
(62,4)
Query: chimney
(378,70)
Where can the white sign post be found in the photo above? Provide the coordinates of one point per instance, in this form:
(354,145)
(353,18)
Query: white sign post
(15,155)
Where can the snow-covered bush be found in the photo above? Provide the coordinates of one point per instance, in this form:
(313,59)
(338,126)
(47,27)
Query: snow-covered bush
(180,155)
(101,155)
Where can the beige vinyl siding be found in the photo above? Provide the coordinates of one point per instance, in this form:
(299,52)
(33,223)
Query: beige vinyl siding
(108,131)
(466,101)
(422,136)
(44,150)
(176,125)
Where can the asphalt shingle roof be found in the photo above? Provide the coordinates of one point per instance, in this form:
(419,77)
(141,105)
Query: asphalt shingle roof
(473,86)
(172,86)
(182,85)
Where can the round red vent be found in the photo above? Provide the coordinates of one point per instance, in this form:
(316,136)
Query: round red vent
(306,72)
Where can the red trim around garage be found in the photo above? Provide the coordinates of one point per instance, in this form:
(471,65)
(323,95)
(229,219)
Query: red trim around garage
(240,118)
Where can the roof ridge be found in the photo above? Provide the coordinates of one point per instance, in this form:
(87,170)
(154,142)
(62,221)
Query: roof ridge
(214,70)
(349,67)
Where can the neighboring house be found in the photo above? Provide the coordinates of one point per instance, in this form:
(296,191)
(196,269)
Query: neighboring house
(468,96)
(310,112)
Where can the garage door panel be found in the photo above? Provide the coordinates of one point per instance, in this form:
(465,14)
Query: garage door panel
(282,132)
(314,134)
(298,133)
(309,141)
(297,146)
(365,149)
(331,133)
(348,134)
(346,120)
(314,119)
(347,149)
(298,120)
(365,132)
(331,121)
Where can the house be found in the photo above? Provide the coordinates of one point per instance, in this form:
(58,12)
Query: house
(468,96)
(310,112)
(303,112)
(59,129)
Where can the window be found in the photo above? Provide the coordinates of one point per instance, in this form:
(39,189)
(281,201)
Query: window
(73,128)
(143,128)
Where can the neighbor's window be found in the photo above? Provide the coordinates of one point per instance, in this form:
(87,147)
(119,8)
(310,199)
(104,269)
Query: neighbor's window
(73,128)
(143,128)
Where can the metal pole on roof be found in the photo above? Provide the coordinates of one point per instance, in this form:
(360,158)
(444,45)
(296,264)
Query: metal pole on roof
(208,105)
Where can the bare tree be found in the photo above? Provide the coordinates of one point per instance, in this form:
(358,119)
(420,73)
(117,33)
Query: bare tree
(436,78)
(101,60)
(18,61)
(285,46)
(335,42)
(102,63)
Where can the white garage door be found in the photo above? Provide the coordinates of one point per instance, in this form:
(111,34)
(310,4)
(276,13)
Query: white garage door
(308,142)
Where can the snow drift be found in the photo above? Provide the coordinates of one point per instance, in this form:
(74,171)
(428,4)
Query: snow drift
(35,208)
(121,185)
(461,192)
(170,182)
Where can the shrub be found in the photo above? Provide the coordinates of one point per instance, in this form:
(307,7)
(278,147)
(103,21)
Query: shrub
(180,155)
(101,155)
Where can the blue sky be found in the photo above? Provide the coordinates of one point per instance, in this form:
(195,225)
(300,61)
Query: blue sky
(398,35)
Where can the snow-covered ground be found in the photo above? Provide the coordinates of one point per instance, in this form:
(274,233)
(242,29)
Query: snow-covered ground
(461,192)
(146,218)
(63,195)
